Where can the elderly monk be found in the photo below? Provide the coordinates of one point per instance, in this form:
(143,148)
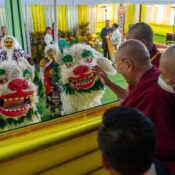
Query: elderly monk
(144,93)
(167,68)
(143,32)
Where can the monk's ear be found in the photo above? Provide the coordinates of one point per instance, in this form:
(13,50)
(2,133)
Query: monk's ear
(130,65)
(144,42)
(105,162)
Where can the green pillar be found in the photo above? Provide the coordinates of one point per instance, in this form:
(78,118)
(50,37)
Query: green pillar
(15,20)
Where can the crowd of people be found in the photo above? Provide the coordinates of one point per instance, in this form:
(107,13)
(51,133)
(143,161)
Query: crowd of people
(127,136)
(139,136)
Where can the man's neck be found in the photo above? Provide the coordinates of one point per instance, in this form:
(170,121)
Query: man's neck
(141,72)
(151,171)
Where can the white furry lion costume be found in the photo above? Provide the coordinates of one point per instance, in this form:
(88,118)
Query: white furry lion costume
(81,88)
(11,49)
(18,95)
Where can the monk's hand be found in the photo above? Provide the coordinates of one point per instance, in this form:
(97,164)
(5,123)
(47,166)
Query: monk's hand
(102,75)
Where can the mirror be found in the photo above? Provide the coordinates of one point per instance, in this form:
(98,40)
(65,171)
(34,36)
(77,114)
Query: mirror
(62,73)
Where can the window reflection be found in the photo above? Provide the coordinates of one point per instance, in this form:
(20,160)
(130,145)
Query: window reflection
(64,77)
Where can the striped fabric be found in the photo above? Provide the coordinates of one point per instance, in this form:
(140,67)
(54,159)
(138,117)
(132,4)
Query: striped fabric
(94,2)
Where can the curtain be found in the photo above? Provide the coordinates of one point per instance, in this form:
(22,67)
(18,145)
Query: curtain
(172,12)
(153,14)
(167,13)
(161,14)
(2,16)
(95,2)
(72,15)
(49,15)
(129,16)
(38,18)
(62,17)
(28,18)
(100,13)
(83,16)
(115,11)
(92,19)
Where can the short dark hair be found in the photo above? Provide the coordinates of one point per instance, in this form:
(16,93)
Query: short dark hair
(115,25)
(127,139)
(140,31)
(48,28)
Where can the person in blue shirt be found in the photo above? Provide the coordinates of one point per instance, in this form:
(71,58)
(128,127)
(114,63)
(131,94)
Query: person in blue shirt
(104,32)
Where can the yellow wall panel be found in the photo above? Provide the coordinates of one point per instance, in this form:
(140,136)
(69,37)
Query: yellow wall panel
(62,17)
(129,19)
(79,166)
(38,18)
(83,14)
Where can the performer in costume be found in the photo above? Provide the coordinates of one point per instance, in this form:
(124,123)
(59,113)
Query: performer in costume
(18,94)
(11,49)
(50,70)
(81,87)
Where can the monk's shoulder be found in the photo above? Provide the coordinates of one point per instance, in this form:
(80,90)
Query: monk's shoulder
(156,93)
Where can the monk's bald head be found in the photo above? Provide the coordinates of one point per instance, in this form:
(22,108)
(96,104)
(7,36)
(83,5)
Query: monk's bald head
(168,57)
(167,65)
(135,51)
(142,32)
(132,61)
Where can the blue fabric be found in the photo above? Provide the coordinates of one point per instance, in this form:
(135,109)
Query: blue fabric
(62,44)
(160,168)
(105,31)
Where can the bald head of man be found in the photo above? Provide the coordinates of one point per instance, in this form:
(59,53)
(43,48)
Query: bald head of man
(142,32)
(167,68)
(132,60)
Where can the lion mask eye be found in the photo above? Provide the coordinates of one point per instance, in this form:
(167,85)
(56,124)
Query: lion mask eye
(27,74)
(89,60)
(69,64)
(3,77)
(88,56)
(3,81)
(68,61)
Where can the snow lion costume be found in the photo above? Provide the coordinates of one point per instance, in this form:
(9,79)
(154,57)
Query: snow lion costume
(17,94)
(80,86)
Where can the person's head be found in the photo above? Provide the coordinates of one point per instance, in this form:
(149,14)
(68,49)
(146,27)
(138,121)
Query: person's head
(127,140)
(107,23)
(48,30)
(132,60)
(167,68)
(114,26)
(3,30)
(142,32)
(9,43)
(51,51)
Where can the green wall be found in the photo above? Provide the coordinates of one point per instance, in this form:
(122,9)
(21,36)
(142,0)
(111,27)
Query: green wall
(15,20)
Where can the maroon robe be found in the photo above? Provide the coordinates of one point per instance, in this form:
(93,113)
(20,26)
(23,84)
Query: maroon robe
(155,56)
(159,106)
